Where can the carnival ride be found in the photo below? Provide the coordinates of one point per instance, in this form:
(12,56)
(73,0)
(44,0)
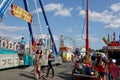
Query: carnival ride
(85,73)
(13,58)
(112,49)
(113,42)
(66,48)
(67,41)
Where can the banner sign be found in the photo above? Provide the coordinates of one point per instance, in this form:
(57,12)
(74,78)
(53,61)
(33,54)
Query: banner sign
(21,13)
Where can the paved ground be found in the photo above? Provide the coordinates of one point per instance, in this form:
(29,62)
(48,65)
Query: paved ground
(62,72)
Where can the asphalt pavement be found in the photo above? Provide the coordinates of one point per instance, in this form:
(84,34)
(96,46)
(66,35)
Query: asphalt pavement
(62,72)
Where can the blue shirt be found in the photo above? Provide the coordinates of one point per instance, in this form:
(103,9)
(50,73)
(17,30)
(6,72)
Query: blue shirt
(23,41)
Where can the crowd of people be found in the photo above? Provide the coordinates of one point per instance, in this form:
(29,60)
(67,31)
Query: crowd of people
(98,66)
(13,45)
(102,67)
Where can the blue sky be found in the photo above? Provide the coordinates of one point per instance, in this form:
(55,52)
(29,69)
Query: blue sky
(66,17)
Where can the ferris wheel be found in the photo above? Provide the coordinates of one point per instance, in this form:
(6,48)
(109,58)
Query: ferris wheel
(67,41)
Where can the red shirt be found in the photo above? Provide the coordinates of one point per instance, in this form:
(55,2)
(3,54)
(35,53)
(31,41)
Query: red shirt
(114,70)
(34,46)
(101,68)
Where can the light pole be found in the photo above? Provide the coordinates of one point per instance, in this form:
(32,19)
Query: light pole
(87,29)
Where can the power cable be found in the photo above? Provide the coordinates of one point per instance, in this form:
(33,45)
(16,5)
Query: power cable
(38,17)
(83,21)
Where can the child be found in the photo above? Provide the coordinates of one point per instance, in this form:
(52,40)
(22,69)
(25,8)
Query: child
(102,70)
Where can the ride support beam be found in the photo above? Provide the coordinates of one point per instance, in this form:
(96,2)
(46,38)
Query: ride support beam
(48,26)
(29,25)
(4,6)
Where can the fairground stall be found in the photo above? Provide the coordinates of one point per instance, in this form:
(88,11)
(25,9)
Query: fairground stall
(10,58)
(113,48)
(66,53)
(65,49)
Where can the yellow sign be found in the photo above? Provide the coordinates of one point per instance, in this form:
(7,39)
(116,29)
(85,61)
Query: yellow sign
(21,13)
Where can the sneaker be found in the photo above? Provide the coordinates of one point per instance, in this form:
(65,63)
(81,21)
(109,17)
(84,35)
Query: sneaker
(45,78)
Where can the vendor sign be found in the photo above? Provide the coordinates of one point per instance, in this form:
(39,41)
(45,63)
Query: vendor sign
(21,13)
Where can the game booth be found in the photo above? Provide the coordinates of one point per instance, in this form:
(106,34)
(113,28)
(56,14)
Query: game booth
(66,53)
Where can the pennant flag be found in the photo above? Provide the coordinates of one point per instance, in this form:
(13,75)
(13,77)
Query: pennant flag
(114,36)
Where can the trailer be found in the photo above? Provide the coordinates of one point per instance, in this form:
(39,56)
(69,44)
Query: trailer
(84,77)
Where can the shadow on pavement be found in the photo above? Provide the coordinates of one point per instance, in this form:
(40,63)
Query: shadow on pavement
(64,76)
(26,75)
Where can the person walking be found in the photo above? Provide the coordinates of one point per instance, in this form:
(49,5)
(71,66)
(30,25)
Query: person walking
(50,64)
(37,67)
(113,70)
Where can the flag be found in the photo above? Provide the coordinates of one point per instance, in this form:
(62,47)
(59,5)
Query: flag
(114,36)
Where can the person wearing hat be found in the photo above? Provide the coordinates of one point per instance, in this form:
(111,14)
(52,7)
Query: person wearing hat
(50,64)
(113,69)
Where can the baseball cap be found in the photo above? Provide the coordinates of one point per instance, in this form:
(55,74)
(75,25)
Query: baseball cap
(50,50)
(113,60)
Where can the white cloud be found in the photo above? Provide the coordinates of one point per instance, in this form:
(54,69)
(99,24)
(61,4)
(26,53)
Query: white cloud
(55,37)
(92,38)
(82,12)
(14,36)
(108,17)
(114,24)
(115,7)
(53,7)
(80,38)
(39,10)
(58,9)
(11,28)
(104,16)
